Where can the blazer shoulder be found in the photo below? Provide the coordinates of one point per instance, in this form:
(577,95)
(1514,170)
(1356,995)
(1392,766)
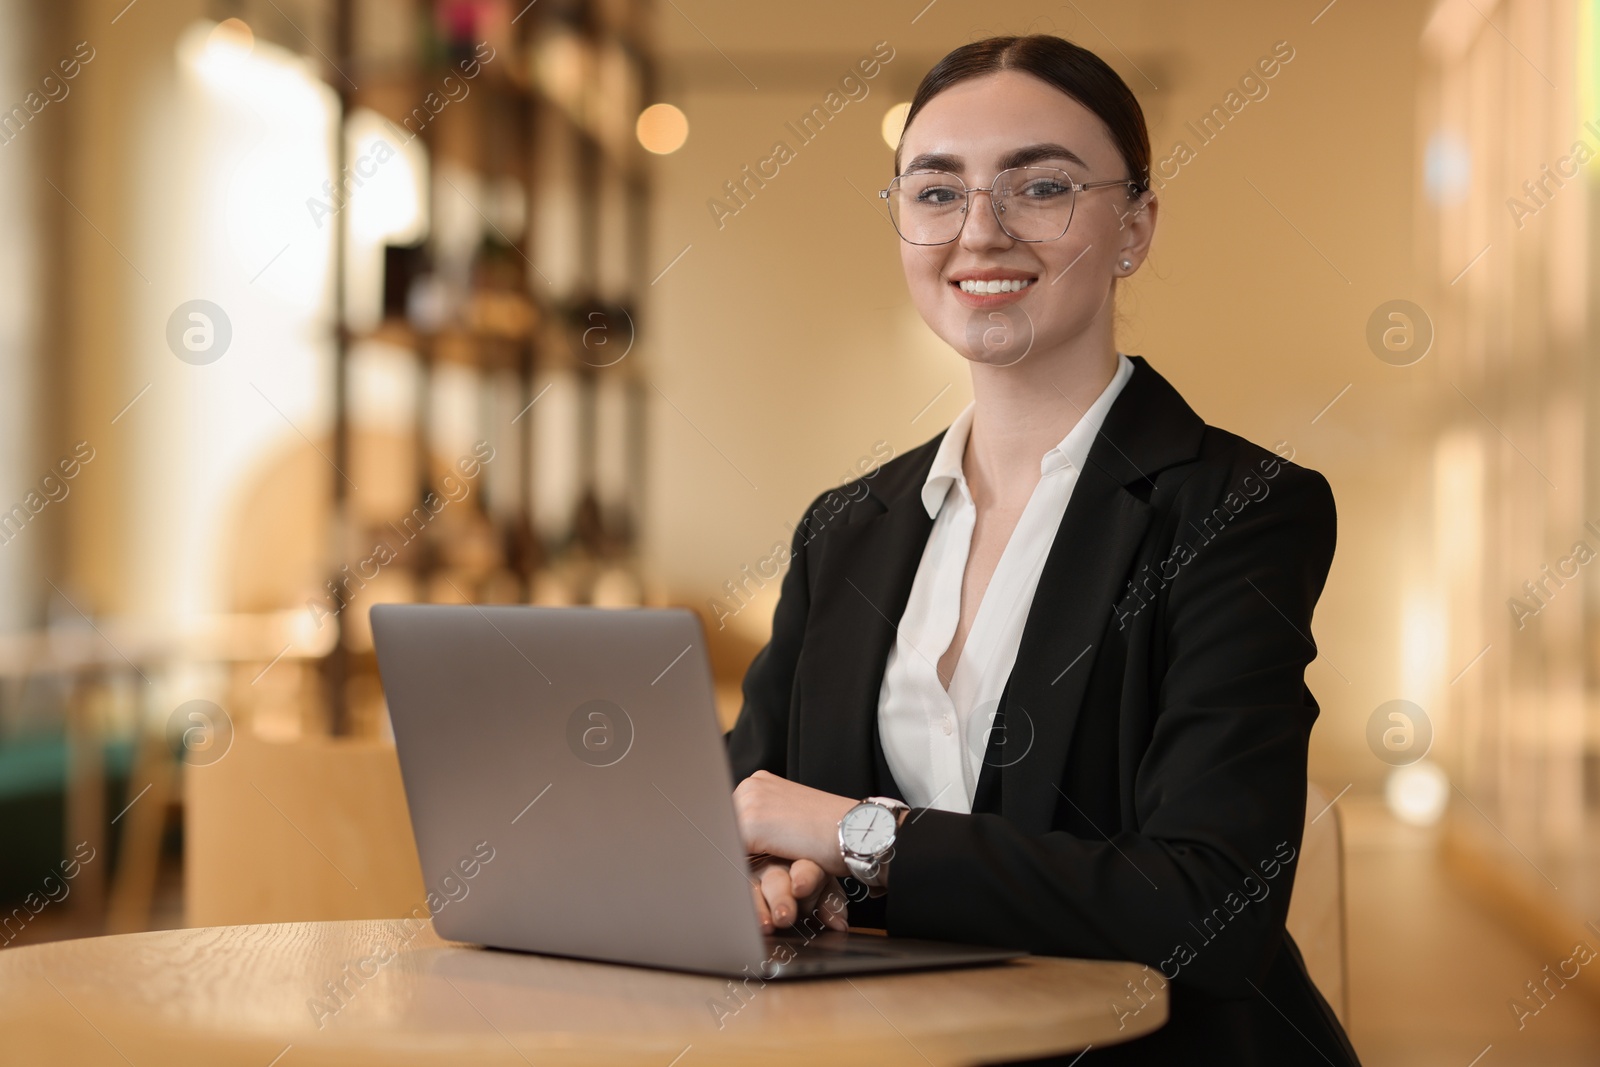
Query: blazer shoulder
(1230,472)
(1163,448)
(872,492)
(1225,459)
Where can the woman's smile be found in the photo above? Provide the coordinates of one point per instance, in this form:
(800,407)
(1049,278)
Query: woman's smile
(990,287)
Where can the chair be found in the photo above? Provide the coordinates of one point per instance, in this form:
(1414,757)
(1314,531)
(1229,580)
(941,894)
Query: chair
(1316,907)
(301,831)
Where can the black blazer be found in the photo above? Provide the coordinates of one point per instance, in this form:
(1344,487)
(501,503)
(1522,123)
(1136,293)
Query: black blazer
(1143,794)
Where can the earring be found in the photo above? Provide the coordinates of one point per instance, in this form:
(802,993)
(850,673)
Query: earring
(1126,264)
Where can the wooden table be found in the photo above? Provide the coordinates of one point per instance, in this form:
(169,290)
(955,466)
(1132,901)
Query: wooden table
(260,996)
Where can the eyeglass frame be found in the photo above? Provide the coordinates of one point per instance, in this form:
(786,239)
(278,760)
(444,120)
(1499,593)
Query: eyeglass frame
(1074,186)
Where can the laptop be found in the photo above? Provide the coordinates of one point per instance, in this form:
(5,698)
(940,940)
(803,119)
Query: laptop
(570,795)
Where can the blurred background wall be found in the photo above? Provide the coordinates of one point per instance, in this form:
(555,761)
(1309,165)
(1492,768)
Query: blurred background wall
(1378,258)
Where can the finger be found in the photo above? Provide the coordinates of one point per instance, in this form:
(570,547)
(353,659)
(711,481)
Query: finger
(763,913)
(808,880)
(820,895)
(758,869)
(833,906)
(780,894)
(806,877)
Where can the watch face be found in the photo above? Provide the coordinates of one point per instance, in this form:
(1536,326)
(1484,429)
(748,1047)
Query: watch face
(868,829)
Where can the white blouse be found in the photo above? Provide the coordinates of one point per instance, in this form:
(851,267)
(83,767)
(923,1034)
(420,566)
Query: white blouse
(935,740)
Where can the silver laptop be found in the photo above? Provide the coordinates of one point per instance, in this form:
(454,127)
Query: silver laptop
(570,794)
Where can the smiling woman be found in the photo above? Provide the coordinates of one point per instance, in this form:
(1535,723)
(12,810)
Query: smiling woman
(951,717)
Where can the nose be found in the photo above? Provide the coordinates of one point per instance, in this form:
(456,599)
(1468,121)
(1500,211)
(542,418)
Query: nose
(981,229)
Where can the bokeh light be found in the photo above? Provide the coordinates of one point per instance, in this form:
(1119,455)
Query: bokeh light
(662,129)
(894,121)
(232,36)
(1417,793)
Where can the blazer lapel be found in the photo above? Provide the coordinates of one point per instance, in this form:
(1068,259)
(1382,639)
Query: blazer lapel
(1087,565)
(869,566)
(1148,427)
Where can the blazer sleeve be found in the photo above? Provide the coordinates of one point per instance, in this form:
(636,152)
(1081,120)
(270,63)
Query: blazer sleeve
(760,739)
(1218,794)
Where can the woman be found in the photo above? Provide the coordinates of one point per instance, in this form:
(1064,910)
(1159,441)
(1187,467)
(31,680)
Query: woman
(1061,646)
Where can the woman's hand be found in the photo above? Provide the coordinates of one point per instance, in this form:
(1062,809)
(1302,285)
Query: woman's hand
(791,820)
(784,891)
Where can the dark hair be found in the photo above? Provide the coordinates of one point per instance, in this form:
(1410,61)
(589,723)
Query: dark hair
(1076,71)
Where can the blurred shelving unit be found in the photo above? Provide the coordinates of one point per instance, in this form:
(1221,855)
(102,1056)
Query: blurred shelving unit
(488,398)
(489,202)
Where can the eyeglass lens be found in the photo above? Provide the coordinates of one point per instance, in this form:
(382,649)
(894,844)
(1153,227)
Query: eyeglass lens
(1031,203)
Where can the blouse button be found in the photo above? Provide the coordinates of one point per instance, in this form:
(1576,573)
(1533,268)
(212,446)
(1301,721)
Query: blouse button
(949,727)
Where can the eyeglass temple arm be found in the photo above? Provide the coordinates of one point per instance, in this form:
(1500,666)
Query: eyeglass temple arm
(1095,185)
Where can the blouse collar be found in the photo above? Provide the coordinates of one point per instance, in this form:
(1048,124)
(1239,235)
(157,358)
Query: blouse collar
(1071,451)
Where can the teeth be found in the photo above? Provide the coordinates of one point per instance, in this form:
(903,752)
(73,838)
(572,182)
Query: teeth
(1007,286)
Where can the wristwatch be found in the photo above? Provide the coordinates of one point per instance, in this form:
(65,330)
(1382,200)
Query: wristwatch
(866,838)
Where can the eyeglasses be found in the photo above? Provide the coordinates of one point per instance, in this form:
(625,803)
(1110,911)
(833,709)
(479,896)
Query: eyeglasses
(1030,203)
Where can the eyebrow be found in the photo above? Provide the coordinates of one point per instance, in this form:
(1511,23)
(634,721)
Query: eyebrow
(1019,157)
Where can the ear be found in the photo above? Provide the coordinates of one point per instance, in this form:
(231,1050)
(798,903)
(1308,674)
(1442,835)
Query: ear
(1138,227)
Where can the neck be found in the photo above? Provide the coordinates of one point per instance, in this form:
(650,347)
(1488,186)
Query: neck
(1022,411)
